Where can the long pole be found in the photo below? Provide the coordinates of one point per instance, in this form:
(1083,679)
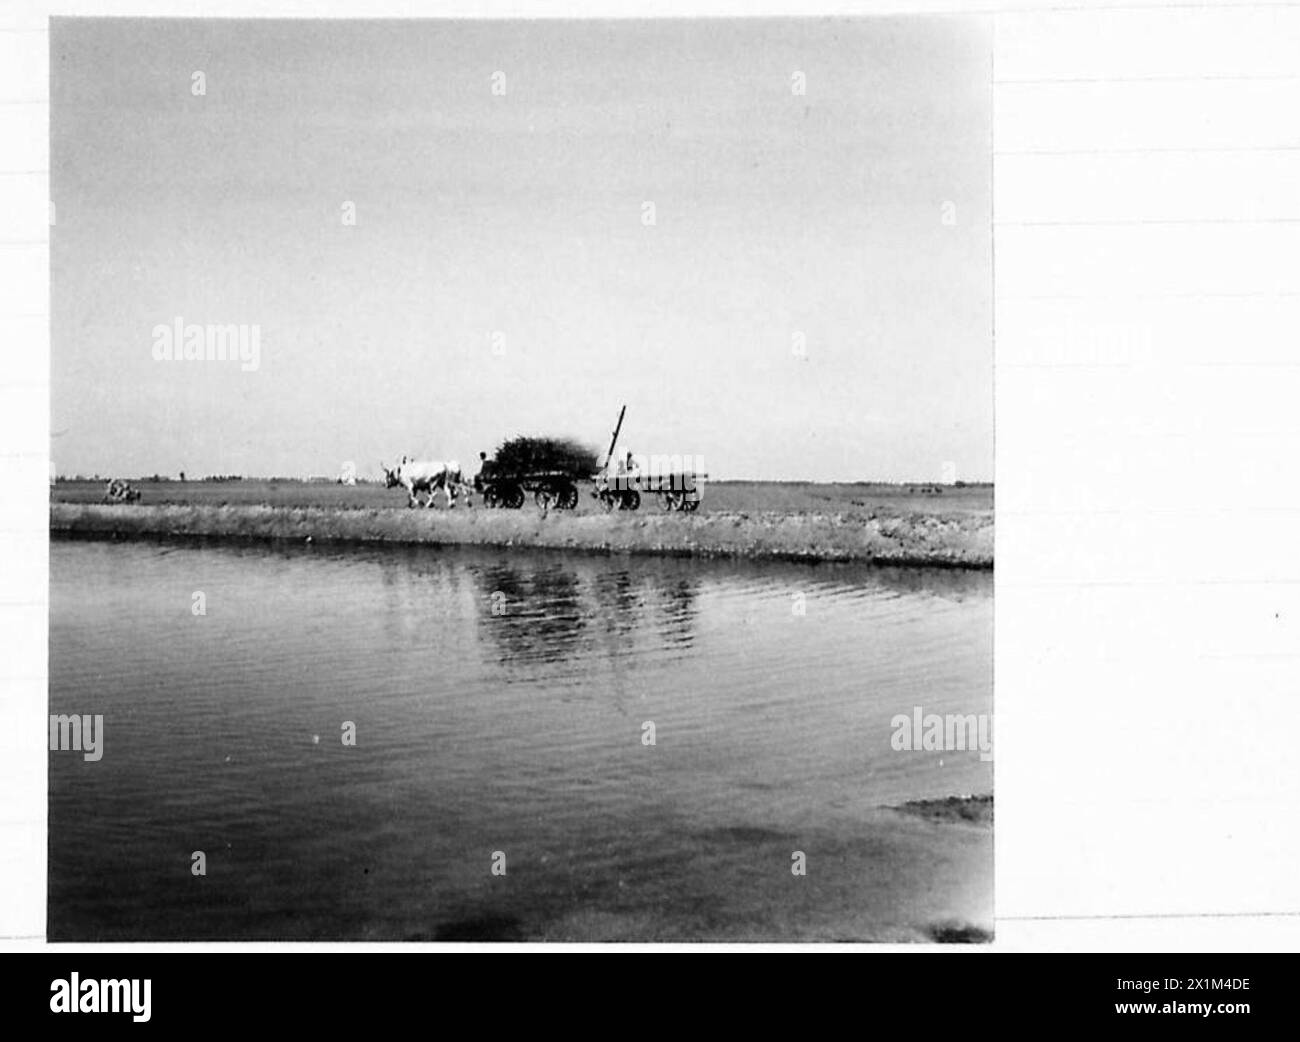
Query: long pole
(614,440)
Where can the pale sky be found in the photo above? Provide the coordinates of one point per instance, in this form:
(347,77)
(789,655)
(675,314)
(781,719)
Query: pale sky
(521,214)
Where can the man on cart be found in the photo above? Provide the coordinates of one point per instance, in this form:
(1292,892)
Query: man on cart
(629,470)
(484,465)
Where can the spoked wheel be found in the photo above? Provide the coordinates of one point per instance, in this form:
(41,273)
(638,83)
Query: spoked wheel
(490,498)
(671,500)
(568,497)
(607,501)
(631,500)
(513,497)
(545,498)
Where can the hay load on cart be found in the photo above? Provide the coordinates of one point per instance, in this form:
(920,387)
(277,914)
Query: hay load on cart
(549,468)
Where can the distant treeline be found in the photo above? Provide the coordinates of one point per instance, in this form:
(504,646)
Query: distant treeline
(313,479)
(533,454)
(61,478)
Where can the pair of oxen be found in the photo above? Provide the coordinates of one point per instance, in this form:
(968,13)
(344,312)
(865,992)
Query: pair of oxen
(428,477)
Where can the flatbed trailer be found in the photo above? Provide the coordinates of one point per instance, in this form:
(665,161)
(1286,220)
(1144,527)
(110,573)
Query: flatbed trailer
(623,491)
(679,491)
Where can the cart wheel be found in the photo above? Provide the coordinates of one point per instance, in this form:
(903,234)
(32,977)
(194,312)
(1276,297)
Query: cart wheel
(568,497)
(691,505)
(545,498)
(672,500)
(515,497)
(607,501)
(631,500)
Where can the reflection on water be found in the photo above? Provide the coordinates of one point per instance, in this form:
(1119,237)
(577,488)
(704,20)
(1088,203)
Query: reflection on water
(499,700)
(534,615)
(560,611)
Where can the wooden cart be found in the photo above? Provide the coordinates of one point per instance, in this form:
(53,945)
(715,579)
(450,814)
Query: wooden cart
(550,488)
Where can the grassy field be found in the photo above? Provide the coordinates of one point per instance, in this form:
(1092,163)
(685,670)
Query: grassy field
(877,523)
(858,500)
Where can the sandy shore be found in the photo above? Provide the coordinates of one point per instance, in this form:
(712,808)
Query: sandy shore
(928,539)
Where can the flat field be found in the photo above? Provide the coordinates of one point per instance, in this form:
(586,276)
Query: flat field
(750,497)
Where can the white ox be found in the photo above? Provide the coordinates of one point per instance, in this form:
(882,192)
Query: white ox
(428,476)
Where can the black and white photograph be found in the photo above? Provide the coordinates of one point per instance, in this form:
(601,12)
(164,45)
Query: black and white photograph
(521,481)
(492,477)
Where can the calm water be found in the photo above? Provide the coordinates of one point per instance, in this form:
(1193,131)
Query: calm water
(499,700)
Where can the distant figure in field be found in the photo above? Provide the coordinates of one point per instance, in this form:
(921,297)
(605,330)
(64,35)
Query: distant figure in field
(120,491)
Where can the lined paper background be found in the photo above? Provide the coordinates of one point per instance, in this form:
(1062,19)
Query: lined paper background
(1148,609)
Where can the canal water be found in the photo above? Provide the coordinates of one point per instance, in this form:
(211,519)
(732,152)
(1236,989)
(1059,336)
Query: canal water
(468,744)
